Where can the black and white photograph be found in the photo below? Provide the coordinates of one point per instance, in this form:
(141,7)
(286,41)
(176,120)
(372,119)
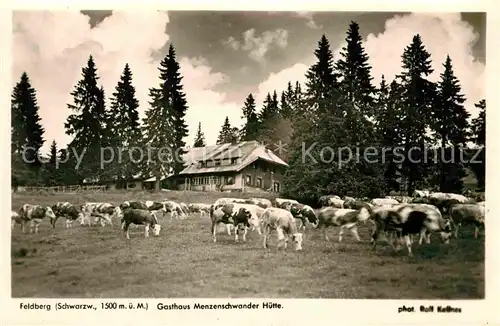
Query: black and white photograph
(248,154)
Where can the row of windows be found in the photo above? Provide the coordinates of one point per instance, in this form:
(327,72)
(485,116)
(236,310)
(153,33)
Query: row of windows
(211,181)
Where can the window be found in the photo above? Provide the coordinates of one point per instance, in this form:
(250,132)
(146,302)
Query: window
(217,163)
(234,160)
(259,182)
(131,185)
(230,180)
(248,180)
(276,187)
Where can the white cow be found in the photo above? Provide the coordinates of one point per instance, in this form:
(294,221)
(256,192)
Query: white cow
(384,201)
(35,214)
(102,213)
(283,222)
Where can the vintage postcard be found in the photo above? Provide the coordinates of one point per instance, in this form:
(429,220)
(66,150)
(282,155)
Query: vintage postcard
(249,166)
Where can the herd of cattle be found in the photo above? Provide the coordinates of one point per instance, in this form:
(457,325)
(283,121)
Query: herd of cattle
(395,218)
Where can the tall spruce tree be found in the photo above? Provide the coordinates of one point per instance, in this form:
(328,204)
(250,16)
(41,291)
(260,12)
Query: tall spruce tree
(164,124)
(250,130)
(269,119)
(49,174)
(125,127)
(86,124)
(26,130)
(199,140)
(227,134)
(418,99)
(355,72)
(450,126)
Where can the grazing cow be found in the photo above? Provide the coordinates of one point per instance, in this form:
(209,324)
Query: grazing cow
(16,219)
(303,212)
(443,205)
(261,202)
(102,212)
(343,217)
(140,217)
(443,196)
(218,217)
(174,208)
(348,198)
(383,201)
(67,210)
(421,193)
(408,219)
(239,215)
(323,200)
(255,214)
(184,208)
(467,214)
(153,205)
(335,202)
(357,204)
(133,204)
(201,208)
(283,222)
(283,202)
(35,214)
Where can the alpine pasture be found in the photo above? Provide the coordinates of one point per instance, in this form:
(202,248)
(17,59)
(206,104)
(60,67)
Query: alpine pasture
(98,262)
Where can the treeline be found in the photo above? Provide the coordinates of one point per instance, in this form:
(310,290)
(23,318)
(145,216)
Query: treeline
(415,128)
(338,107)
(107,143)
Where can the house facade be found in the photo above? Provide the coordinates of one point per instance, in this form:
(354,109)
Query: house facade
(246,166)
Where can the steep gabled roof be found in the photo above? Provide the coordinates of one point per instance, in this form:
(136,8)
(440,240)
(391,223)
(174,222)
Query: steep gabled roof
(247,153)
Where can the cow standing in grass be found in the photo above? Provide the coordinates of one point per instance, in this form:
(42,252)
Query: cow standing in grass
(69,211)
(102,213)
(304,213)
(203,209)
(174,209)
(467,214)
(344,218)
(283,222)
(140,217)
(231,213)
(35,214)
(408,219)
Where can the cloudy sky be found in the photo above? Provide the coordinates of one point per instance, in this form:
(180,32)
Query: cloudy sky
(224,56)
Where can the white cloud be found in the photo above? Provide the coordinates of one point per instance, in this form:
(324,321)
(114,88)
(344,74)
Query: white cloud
(258,46)
(441,34)
(52,47)
(308,16)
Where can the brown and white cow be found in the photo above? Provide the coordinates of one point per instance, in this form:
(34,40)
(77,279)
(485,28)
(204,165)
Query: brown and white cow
(304,213)
(357,204)
(443,195)
(203,209)
(227,200)
(102,213)
(174,208)
(467,214)
(324,200)
(140,217)
(237,214)
(344,218)
(408,219)
(35,214)
(67,210)
(261,202)
(218,217)
(283,222)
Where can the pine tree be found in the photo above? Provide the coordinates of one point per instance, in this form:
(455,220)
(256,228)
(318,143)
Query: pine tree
(450,126)
(250,130)
(355,72)
(26,133)
(200,138)
(49,174)
(227,134)
(124,127)
(270,121)
(87,123)
(478,124)
(387,134)
(418,98)
(164,124)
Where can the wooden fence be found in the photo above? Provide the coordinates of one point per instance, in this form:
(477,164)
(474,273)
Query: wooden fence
(74,188)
